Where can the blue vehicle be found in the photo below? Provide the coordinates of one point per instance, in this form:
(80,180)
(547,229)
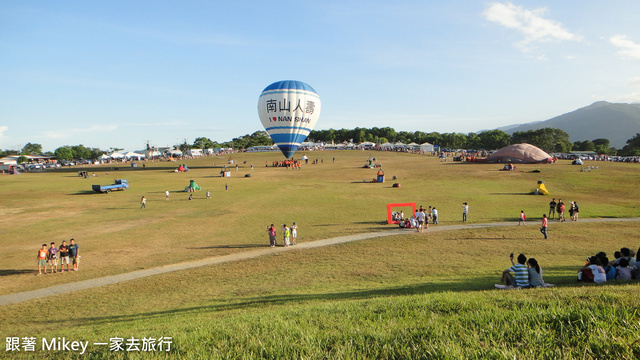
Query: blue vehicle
(119,184)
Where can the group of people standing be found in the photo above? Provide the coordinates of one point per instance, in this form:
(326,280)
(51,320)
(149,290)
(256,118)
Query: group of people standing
(560,208)
(51,256)
(290,235)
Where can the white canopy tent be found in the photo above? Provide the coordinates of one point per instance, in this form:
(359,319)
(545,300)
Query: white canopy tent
(426,147)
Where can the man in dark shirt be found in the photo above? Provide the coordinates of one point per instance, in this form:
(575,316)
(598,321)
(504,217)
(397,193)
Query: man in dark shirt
(64,255)
(552,208)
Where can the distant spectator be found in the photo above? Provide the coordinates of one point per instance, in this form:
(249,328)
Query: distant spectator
(523,218)
(543,228)
(74,253)
(271,230)
(63,251)
(52,257)
(42,259)
(294,233)
(465,211)
(552,209)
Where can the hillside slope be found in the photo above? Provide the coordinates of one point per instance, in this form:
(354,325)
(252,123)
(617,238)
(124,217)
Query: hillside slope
(616,122)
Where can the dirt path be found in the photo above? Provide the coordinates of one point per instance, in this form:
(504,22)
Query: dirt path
(114,279)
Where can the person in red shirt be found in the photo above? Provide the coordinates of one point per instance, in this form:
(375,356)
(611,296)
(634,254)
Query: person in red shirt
(543,229)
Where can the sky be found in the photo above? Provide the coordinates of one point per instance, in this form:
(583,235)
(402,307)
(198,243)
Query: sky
(119,74)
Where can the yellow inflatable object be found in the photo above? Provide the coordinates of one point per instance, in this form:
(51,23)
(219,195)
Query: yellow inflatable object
(541,189)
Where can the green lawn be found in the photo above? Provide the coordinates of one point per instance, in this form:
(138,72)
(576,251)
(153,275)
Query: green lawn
(410,296)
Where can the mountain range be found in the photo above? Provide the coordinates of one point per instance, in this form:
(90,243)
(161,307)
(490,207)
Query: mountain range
(600,120)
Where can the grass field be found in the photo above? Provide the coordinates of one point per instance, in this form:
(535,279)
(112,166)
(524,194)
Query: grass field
(410,296)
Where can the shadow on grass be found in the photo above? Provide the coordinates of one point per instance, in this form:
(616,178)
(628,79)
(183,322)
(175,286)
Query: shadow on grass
(372,222)
(247,246)
(8,272)
(527,193)
(479,283)
(86,192)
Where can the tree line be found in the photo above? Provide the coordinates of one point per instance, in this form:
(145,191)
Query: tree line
(548,139)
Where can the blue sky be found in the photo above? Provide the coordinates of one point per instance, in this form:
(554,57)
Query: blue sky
(120,73)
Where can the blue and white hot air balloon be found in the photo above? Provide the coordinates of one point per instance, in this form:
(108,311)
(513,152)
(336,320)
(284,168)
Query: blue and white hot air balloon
(289,111)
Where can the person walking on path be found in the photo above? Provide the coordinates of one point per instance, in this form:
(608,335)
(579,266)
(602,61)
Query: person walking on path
(294,233)
(465,211)
(434,214)
(552,208)
(560,210)
(271,230)
(523,218)
(143,203)
(42,259)
(543,228)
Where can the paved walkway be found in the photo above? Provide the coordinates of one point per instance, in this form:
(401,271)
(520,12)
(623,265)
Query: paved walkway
(114,279)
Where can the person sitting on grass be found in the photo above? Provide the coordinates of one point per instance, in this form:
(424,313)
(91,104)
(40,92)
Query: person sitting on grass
(625,253)
(624,271)
(521,279)
(595,267)
(609,270)
(535,273)
(407,224)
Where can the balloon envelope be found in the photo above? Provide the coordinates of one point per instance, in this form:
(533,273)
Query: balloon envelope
(288,111)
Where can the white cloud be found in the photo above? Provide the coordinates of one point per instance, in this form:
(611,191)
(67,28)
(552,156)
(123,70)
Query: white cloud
(67,133)
(628,49)
(634,82)
(530,23)
(3,129)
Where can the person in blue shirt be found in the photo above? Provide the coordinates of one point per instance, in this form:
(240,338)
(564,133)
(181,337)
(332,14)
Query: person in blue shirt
(520,271)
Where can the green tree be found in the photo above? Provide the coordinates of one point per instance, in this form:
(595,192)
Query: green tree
(547,139)
(64,153)
(632,148)
(494,139)
(203,143)
(474,141)
(22,159)
(184,147)
(7,152)
(95,153)
(31,149)
(583,146)
(602,146)
(81,152)
(454,141)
